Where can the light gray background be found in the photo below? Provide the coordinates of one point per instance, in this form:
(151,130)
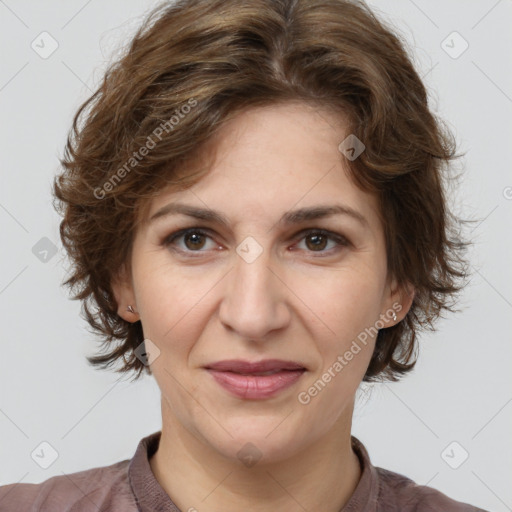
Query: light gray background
(461,390)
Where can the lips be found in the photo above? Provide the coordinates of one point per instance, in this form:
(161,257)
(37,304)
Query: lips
(267,366)
(255,380)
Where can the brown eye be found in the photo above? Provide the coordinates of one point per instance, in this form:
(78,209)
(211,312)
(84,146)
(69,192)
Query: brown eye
(318,242)
(194,240)
(188,240)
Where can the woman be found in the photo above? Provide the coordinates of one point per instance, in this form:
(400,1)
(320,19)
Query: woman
(253,203)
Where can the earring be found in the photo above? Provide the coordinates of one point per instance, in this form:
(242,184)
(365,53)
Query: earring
(130,309)
(394,316)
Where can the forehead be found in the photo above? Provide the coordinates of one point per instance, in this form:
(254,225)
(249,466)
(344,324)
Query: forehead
(272,159)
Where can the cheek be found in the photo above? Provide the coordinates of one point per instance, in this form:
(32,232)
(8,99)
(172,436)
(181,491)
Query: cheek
(346,306)
(161,297)
(175,305)
(345,342)
(344,301)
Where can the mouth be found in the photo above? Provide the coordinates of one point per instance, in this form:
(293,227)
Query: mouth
(256,380)
(267,366)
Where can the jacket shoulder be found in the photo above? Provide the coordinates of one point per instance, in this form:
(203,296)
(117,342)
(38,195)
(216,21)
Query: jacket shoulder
(399,493)
(104,488)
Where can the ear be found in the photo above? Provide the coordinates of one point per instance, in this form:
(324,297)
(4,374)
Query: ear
(122,287)
(397,303)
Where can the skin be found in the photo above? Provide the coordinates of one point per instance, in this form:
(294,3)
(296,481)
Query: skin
(297,301)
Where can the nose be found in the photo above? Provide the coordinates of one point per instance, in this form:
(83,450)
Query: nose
(254,300)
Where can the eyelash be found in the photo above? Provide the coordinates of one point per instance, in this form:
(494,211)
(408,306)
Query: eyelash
(341,241)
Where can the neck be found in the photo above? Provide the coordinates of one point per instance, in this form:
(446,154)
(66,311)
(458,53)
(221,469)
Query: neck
(322,476)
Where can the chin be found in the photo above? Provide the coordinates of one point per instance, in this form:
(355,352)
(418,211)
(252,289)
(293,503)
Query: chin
(257,440)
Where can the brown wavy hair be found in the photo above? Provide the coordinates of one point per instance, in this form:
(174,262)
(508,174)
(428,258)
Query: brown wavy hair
(191,66)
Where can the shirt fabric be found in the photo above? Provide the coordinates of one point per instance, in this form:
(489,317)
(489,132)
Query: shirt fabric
(130,486)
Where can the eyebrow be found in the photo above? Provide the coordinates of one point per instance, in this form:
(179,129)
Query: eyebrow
(288,218)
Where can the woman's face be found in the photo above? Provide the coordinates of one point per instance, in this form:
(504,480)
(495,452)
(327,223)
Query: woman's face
(264,285)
